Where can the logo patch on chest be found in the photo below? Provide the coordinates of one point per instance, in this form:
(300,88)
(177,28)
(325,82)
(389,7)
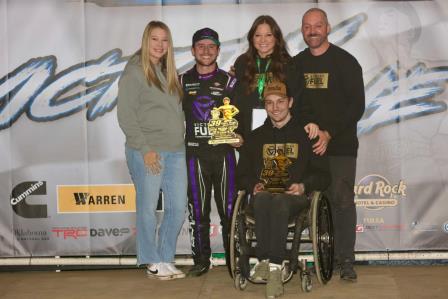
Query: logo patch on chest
(316,80)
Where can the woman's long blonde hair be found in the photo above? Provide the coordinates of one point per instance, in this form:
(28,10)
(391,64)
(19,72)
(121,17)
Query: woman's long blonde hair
(167,62)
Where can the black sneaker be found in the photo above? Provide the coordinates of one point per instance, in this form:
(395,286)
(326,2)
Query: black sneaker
(347,272)
(198,269)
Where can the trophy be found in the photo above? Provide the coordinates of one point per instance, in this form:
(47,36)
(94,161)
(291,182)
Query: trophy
(221,128)
(275,175)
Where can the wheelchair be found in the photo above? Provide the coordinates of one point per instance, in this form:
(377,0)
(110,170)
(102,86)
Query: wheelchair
(316,221)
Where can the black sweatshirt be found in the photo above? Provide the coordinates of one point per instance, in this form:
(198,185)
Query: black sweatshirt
(306,167)
(332,96)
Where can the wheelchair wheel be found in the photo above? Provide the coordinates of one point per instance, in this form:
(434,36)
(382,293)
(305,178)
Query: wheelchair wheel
(306,282)
(322,237)
(234,242)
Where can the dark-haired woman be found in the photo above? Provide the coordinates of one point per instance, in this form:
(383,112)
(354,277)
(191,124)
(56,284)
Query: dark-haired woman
(264,61)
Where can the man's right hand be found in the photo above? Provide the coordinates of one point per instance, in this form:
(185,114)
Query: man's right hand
(320,147)
(296,189)
(258,188)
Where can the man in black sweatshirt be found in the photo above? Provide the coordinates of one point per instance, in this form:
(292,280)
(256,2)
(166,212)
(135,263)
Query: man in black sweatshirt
(331,103)
(281,146)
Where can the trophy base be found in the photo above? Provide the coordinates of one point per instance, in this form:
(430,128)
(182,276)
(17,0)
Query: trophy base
(222,141)
(275,190)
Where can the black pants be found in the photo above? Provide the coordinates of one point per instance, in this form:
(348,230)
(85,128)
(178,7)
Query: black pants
(206,172)
(272,213)
(341,195)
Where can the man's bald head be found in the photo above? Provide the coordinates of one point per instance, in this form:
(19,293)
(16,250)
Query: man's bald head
(315,30)
(316,10)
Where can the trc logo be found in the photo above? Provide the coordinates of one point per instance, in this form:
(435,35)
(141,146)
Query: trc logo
(19,196)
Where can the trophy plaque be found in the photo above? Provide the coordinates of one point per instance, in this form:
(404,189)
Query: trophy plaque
(275,175)
(221,128)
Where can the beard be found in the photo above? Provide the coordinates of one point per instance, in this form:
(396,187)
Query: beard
(312,42)
(202,63)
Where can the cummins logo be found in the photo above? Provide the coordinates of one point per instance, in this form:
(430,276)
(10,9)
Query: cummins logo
(19,196)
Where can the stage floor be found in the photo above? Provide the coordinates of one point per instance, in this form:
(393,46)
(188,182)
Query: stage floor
(394,282)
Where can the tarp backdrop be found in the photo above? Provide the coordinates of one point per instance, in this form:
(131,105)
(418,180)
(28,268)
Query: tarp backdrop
(64,184)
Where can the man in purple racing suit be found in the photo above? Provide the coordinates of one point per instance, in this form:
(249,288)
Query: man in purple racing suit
(209,166)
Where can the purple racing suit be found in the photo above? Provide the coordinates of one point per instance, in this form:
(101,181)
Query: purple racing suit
(209,166)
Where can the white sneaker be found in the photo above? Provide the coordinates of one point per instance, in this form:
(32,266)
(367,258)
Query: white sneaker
(159,271)
(175,272)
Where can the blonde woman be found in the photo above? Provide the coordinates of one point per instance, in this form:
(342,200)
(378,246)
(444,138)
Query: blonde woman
(151,117)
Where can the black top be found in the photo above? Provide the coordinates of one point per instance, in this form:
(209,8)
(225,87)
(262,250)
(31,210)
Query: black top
(332,96)
(203,92)
(247,102)
(266,141)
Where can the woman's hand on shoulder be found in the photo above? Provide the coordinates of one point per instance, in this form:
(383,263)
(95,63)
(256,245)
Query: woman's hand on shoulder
(232,71)
(312,130)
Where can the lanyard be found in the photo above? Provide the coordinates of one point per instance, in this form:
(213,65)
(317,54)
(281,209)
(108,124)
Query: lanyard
(261,77)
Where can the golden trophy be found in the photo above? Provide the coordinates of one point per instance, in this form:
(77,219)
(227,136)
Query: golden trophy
(275,174)
(221,128)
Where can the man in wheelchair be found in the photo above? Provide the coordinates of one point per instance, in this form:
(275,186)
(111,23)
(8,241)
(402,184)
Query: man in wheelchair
(278,167)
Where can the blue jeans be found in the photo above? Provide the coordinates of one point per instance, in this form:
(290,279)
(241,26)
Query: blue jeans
(173,182)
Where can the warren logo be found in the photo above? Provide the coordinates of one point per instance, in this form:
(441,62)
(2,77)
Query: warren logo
(375,192)
(20,195)
(96,198)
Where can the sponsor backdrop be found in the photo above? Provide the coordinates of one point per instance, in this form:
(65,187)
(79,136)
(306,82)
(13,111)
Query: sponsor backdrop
(64,184)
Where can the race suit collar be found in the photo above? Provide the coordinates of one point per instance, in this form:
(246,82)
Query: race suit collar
(208,75)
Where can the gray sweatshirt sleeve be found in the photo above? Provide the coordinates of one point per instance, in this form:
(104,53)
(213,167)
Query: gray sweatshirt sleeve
(129,88)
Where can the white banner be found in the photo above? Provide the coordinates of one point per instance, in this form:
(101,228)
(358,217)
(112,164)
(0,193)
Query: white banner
(64,184)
